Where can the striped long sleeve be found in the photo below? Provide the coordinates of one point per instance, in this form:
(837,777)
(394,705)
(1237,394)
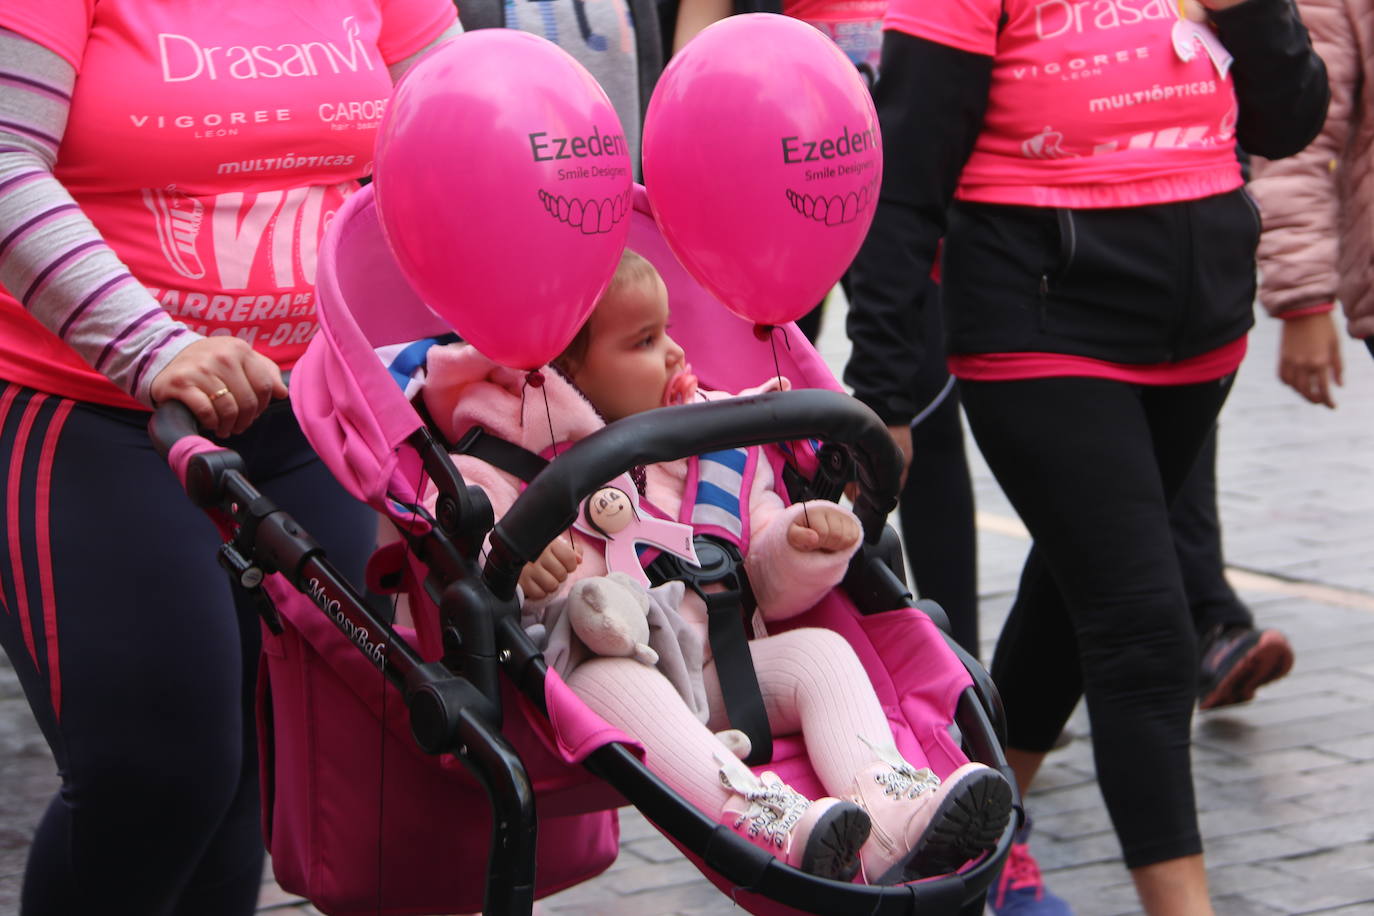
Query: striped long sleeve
(52,259)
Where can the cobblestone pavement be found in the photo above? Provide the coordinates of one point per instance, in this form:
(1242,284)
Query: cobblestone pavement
(1285,784)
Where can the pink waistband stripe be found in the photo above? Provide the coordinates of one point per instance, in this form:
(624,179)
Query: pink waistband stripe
(1006,367)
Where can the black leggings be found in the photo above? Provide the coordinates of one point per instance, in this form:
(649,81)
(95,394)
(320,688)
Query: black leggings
(1194,519)
(1090,466)
(136,661)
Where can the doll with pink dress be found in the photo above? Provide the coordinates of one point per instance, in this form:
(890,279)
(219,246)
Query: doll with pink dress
(891,818)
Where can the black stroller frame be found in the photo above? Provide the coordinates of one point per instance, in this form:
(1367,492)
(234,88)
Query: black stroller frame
(455,704)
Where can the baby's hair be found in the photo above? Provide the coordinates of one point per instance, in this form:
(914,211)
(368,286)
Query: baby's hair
(633,270)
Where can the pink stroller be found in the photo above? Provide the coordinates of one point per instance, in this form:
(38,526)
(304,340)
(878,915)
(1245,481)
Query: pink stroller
(446,768)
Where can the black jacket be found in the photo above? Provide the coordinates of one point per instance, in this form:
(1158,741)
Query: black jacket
(1133,285)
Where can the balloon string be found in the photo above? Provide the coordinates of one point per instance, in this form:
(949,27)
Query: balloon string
(773,343)
(553,443)
(777,373)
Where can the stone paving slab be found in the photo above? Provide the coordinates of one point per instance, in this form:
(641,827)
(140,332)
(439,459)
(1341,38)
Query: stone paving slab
(1285,785)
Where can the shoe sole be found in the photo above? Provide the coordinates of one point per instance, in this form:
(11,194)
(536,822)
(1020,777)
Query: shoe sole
(968,823)
(833,849)
(1270,658)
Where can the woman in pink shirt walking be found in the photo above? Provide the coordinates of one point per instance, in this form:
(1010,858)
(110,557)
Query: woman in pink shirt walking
(166,172)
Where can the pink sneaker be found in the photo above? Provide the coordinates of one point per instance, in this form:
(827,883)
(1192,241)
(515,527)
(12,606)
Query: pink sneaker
(923,826)
(821,837)
(1020,891)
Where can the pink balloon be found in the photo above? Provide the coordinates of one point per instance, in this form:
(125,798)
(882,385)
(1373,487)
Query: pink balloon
(762,161)
(503,184)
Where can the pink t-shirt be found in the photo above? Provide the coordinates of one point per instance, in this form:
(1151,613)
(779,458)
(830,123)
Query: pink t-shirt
(1090,105)
(210,144)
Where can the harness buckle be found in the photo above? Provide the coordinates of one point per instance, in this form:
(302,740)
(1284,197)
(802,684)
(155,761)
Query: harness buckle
(721,563)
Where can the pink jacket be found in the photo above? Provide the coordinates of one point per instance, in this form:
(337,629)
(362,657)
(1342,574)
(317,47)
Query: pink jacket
(1318,206)
(465,389)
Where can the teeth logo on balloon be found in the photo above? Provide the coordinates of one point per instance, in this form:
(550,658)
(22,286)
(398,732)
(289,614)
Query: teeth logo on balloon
(593,217)
(833,209)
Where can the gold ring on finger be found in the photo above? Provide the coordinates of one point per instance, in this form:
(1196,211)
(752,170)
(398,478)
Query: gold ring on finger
(219,394)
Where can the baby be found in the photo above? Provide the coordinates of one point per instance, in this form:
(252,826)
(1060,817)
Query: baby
(889,816)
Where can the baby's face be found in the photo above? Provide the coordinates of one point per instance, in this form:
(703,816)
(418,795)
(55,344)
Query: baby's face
(630,357)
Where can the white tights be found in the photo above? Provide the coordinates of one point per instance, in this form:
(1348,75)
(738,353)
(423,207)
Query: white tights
(812,683)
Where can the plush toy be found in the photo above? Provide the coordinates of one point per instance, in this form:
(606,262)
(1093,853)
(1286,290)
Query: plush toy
(610,614)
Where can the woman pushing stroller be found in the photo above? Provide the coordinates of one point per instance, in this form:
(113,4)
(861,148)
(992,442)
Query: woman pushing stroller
(889,816)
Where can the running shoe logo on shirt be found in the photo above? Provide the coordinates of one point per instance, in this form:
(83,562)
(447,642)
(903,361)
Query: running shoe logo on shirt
(177,218)
(1048,144)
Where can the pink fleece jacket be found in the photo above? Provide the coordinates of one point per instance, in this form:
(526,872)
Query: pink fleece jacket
(1318,206)
(465,389)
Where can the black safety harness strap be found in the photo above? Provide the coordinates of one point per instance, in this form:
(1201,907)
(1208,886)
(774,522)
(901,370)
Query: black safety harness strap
(728,608)
(500,454)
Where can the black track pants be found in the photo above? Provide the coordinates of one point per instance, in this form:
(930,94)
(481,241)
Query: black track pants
(136,661)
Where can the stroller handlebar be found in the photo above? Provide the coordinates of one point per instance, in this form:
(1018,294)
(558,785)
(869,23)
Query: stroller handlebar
(550,504)
(171,422)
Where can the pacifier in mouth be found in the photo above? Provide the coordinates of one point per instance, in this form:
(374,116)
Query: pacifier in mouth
(681,388)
